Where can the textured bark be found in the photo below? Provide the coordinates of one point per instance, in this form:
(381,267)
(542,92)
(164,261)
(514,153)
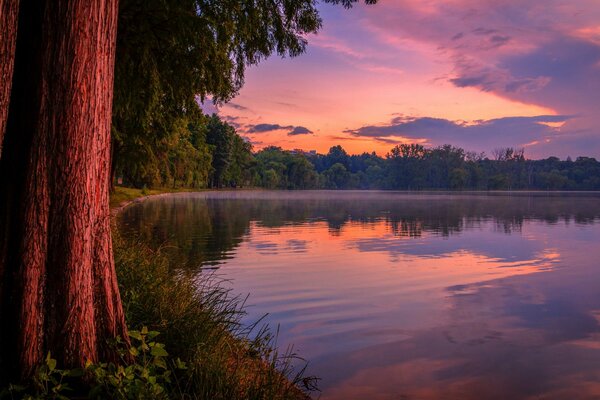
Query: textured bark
(8,40)
(59,291)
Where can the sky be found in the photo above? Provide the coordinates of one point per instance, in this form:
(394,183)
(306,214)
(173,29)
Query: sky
(478,74)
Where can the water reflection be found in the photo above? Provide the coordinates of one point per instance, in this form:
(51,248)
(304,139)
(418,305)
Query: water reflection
(407,296)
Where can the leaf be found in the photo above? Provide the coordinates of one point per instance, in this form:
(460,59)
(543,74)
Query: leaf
(158,352)
(50,362)
(180,364)
(160,362)
(153,334)
(135,334)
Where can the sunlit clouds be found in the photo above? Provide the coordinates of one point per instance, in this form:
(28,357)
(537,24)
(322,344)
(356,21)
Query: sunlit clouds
(476,74)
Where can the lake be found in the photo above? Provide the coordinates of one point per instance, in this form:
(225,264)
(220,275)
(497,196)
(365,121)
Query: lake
(406,296)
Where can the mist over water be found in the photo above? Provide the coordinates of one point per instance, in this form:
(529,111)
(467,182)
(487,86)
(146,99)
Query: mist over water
(396,295)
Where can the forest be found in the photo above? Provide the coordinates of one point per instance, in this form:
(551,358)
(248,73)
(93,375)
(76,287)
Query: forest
(209,153)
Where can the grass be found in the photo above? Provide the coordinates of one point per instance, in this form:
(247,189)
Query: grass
(199,322)
(122,195)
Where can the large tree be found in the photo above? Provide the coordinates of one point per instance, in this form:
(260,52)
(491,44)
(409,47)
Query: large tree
(58,289)
(8,40)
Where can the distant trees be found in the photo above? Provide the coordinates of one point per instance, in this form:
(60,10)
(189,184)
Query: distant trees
(337,177)
(209,153)
(279,169)
(414,167)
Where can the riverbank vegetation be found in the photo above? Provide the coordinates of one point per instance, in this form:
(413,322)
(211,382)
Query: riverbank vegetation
(200,324)
(187,339)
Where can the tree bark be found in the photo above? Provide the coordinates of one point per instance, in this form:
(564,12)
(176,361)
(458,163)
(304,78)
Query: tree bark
(8,39)
(58,290)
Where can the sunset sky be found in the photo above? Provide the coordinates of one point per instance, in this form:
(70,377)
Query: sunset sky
(477,74)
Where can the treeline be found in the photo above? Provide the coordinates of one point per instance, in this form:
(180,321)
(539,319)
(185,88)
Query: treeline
(414,167)
(208,153)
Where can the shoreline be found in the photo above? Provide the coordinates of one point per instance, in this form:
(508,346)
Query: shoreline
(240,366)
(123,196)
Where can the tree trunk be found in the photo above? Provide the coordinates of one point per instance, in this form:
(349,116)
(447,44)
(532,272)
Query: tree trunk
(58,290)
(8,40)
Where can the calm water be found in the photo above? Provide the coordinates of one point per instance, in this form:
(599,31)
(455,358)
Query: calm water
(403,296)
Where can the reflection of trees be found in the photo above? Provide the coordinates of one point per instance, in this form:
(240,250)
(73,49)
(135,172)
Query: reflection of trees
(203,229)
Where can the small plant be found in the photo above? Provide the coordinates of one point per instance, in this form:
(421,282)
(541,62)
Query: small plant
(147,374)
(146,377)
(48,382)
(145,191)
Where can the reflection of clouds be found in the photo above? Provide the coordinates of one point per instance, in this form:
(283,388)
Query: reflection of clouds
(297,245)
(263,247)
(495,245)
(270,248)
(515,338)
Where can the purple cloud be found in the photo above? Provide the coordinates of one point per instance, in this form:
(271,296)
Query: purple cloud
(262,128)
(475,135)
(547,54)
(300,130)
(292,130)
(238,107)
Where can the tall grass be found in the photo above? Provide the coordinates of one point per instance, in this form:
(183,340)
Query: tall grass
(200,323)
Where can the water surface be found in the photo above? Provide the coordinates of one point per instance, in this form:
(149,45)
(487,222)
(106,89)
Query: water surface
(407,296)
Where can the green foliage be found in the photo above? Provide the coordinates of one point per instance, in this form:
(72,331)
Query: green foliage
(220,137)
(414,167)
(405,167)
(145,372)
(48,382)
(336,177)
(279,169)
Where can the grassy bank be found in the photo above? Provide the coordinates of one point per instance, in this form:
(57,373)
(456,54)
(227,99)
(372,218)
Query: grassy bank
(200,324)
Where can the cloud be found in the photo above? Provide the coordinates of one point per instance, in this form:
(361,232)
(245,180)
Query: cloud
(262,128)
(547,54)
(232,120)
(483,135)
(238,107)
(292,130)
(300,130)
